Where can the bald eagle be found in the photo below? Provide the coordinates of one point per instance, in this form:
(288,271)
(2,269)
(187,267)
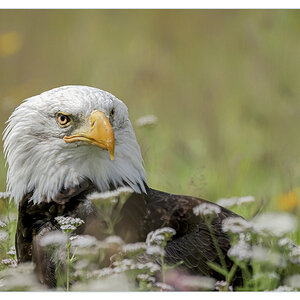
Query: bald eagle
(68,142)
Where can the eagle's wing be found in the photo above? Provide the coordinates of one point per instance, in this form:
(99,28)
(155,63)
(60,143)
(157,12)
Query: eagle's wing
(195,244)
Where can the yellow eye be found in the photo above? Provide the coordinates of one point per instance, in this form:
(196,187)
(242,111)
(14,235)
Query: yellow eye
(63,119)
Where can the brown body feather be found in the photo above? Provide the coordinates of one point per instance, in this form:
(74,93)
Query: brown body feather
(141,214)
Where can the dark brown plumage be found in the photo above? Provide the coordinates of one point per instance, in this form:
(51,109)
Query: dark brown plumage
(141,214)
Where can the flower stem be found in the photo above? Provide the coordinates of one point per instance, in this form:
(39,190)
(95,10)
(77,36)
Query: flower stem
(68,266)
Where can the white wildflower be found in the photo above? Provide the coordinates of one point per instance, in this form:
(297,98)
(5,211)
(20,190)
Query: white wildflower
(76,222)
(21,278)
(165,231)
(84,241)
(222,285)
(9,262)
(102,272)
(12,251)
(81,264)
(145,277)
(235,225)
(230,202)
(68,228)
(53,238)
(158,236)
(123,262)
(245,199)
(206,209)
(134,248)
(111,194)
(3,235)
(286,242)
(155,250)
(121,268)
(152,267)
(164,286)
(276,224)
(262,254)
(293,281)
(2,224)
(147,120)
(245,236)
(4,195)
(294,255)
(241,250)
(227,202)
(123,265)
(154,239)
(114,239)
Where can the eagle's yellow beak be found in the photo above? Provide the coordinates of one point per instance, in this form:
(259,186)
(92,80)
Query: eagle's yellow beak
(100,133)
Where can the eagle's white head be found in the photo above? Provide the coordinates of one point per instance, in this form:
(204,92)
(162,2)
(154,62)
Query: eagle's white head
(56,139)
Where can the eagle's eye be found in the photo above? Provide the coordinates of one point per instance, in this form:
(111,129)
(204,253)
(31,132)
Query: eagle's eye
(63,120)
(112,113)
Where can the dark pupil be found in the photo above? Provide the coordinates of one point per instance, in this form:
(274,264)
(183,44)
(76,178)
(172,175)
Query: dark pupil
(63,118)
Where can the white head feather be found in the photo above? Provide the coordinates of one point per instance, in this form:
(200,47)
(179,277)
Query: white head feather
(40,161)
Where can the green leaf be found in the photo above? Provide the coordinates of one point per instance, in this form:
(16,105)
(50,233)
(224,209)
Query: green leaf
(218,269)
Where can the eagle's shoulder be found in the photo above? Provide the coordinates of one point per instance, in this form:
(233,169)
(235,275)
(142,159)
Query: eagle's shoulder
(178,209)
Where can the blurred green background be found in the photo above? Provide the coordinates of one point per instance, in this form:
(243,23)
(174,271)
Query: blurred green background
(224,85)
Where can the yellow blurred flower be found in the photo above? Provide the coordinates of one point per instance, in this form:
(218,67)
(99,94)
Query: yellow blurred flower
(289,201)
(10,43)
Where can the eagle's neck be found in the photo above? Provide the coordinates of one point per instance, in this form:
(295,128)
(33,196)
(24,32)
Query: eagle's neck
(46,172)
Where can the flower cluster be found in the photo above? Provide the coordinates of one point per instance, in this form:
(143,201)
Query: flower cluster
(133,249)
(235,225)
(265,224)
(235,201)
(145,277)
(9,262)
(163,286)
(294,255)
(241,250)
(160,236)
(146,121)
(222,285)
(110,194)
(83,241)
(2,224)
(3,235)
(4,195)
(68,224)
(12,251)
(206,209)
(53,238)
(114,239)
